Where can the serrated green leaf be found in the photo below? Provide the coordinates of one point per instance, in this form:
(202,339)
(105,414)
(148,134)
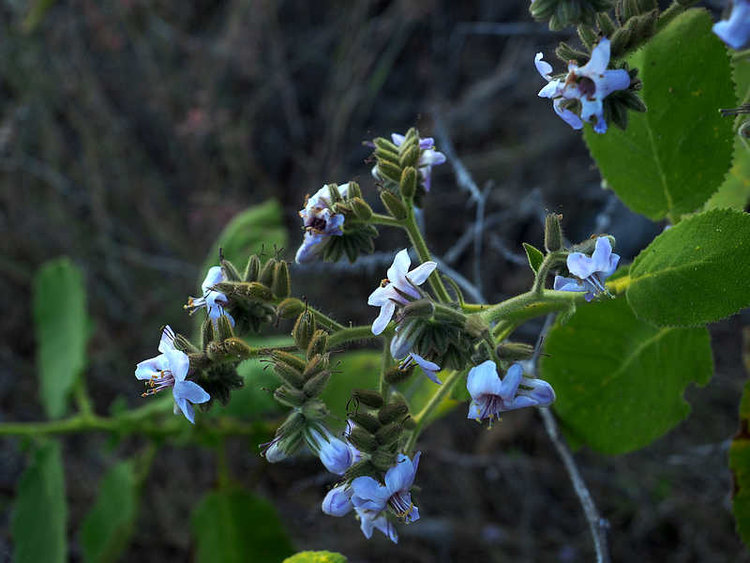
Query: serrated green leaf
(316,557)
(259,228)
(672,158)
(61,328)
(620,381)
(40,512)
(694,273)
(109,525)
(534,255)
(235,526)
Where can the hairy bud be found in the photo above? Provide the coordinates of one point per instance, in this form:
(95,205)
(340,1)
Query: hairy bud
(252,270)
(290,307)
(304,329)
(553,240)
(514,351)
(230,272)
(366,421)
(368,397)
(265,276)
(281,285)
(318,344)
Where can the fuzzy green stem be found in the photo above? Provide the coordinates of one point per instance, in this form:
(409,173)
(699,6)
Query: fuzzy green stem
(325,321)
(550,261)
(385,364)
(83,401)
(530,304)
(349,334)
(380,219)
(417,240)
(422,418)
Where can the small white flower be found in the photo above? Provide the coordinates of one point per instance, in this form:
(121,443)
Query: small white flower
(211,299)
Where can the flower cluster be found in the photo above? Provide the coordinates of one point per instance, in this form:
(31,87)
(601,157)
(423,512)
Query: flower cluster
(428,157)
(586,86)
(320,222)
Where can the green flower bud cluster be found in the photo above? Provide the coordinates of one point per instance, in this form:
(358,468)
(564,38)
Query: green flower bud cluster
(358,233)
(251,295)
(564,13)
(379,425)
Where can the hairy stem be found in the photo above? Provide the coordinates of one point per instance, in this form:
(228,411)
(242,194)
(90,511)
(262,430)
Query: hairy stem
(349,334)
(416,238)
(380,219)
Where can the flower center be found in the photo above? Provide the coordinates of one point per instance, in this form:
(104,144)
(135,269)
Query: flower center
(401,504)
(163,380)
(318,224)
(587,87)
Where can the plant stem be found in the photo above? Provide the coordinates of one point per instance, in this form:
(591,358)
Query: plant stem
(417,240)
(380,219)
(82,397)
(550,261)
(325,320)
(345,335)
(385,364)
(423,416)
(530,304)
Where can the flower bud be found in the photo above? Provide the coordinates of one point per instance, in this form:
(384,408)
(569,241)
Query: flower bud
(395,375)
(421,309)
(289,375)
(514,351)
(361,208)
(316,384)
(230,272)
(553,240)
(282,357)
(318,344)
(476,326)
(338,501)
(383,459)
(366,421)
(281,285)
(567,53)
(252,270)
(184,345)
(408,184)
(588,35)
(289,396)
(383,154)
(239,348)
(384,144)
(388,433)
(409,156)
(363,440)
(265,276)
(224,328)
(304,329)
(207,333)
(368,397)
(395,410)
(315,365)
(605,24)
(290,307)
(253,291)
(388,171)
(445,314)
(354,191)
(335,194)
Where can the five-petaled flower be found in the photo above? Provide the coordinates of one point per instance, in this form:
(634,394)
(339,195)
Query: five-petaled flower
(589,84)
(214,301)
(591,272)
(320,223)
(398,289)
(428,157)
(370,519)
(369,494)
(735,31)
(491,396)
(169,369)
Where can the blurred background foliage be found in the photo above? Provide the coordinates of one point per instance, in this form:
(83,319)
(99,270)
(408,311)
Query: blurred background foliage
(133,131)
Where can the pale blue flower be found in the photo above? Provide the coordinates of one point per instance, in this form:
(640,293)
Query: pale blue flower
(492,396)
(735,31)
(169,369)
(370,520)
(370,495)
(589,84)
(320,223)
(338,501)
(398,289)
(336,455)
(591,272)
(273,452)
(214,301)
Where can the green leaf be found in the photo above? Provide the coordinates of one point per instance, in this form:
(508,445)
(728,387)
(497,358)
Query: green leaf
(735,191)
(234,526)
(109,525)
(259,228)
(360,369)
(694,273)
(534,256)
(673,157)
(739,463)
(40,514)
(61,331)
(316,557)
(620,381)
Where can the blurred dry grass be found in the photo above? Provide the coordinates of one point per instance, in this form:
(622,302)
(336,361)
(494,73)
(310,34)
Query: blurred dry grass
(131,132)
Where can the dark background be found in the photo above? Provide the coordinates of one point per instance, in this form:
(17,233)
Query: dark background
(132,131)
